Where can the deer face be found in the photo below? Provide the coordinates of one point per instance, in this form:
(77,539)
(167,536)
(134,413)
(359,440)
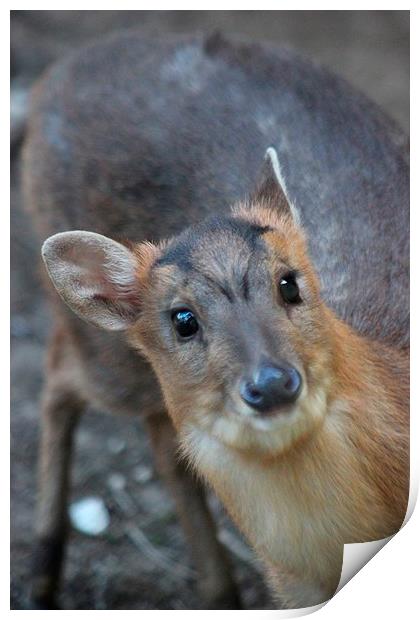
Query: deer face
(228,313)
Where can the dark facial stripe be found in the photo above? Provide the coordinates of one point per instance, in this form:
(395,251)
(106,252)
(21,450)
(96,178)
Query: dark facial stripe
(223,288)
(245,285)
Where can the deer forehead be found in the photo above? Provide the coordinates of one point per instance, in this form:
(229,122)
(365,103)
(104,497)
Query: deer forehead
(222,253)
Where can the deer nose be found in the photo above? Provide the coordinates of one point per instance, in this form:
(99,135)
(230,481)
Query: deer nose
(270,386)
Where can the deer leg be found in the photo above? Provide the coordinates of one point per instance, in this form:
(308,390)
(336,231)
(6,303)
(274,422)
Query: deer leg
(215,584)
(60,410)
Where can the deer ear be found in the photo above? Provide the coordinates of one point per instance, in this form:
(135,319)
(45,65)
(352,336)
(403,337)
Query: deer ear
(271,188)
(95,276)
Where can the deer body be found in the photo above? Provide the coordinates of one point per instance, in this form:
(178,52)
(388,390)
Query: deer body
(139,140)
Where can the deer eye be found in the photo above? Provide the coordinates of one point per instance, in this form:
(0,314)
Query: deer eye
(289,289)
(185,323)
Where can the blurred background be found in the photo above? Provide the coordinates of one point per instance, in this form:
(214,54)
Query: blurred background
(139,561)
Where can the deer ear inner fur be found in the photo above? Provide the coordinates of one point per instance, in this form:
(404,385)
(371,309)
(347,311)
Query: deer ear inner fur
(96,277)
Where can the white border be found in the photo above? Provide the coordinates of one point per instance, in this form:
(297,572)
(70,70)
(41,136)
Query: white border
(387,585)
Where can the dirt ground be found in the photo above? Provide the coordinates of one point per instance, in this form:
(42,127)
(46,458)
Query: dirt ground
(141,561)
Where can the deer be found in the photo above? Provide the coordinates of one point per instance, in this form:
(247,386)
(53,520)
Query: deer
(252,308)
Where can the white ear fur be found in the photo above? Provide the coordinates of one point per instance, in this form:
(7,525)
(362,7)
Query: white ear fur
(272,157)
(272,169)
(95,276)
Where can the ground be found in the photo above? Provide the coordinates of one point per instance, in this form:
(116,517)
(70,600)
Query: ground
(141,561)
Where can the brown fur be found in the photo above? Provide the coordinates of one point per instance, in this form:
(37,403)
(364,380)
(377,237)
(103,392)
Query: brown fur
(146,139)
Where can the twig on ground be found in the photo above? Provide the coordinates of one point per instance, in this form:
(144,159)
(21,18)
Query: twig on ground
(174,571)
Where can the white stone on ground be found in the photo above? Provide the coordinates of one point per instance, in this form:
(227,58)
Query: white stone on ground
(89,516)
